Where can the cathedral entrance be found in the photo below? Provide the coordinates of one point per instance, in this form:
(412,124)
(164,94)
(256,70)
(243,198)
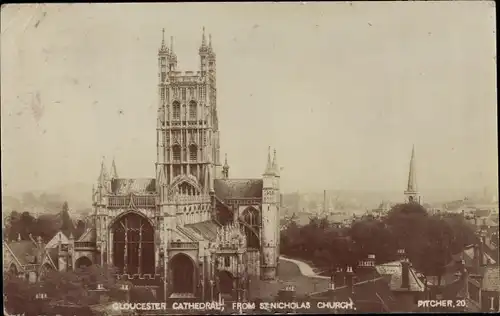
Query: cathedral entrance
(226,283)
(133,245)
(183,274)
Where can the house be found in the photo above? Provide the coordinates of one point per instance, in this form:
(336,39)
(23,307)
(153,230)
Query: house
(388,287)
(27,258)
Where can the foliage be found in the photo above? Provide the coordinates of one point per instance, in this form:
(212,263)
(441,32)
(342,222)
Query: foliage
(63,288)
(429,240)
(45,226)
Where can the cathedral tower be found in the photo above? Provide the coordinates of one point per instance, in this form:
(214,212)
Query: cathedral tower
(187,125)
(270,219)
(411,193)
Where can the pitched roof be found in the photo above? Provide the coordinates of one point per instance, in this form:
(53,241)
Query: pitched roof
(491,279)
(238,188)
(88,235)
(55,240)
(207,230)
(24,251)
(395,271)
(138,186)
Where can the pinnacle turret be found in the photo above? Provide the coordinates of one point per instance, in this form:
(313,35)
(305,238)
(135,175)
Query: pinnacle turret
(269,167)
(114,173)
(276,167)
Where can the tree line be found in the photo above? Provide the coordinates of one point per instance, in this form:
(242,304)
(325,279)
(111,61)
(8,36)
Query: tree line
(46,225)
(429,240)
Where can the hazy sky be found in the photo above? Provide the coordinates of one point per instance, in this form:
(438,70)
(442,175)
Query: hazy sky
(341,90)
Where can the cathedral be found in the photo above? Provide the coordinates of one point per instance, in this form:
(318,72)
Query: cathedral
(192,231)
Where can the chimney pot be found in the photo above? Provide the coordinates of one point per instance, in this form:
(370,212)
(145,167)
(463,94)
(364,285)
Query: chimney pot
(405,275)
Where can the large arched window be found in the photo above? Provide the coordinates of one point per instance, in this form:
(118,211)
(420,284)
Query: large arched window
(176,151)
(176,110)
(193,153)
(133,244)
(192,110)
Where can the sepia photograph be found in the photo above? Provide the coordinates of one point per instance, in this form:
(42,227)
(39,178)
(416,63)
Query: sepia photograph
(249,158)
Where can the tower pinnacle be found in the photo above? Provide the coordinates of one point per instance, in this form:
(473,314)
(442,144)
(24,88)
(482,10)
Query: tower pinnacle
(114,173)
(171,44)
(203,39)
(275,164)
(225,168)
(269,166)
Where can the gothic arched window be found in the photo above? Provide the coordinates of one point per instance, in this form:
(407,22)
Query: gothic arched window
(176,151)
(176,109)
(192,110)
(193,153)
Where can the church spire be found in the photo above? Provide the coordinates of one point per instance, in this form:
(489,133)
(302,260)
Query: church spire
(411,193)
(412,176)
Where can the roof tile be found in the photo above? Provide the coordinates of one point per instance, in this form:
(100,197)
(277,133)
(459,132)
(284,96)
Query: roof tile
(238,188)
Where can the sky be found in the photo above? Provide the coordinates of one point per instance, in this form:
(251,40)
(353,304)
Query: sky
(341,90)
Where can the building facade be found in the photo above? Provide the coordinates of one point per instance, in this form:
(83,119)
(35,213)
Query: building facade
(192,228)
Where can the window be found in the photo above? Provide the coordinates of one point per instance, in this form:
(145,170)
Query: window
(191,92)
(162,95)
(204,138)
(183,93)
(163,61)
(192,110)
(193,153)
(167,94)
(176,107)
(163,76)
(200,91)
(176,150)
(227,261)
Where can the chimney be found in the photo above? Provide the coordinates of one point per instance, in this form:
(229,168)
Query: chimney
(349,279)
(331,285)
(464,292)
(338,278)
(371,260)
(402,254)
(405,274)
(482,240)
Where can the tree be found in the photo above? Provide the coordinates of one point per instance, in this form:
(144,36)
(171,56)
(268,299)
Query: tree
(80,229)
(67,224)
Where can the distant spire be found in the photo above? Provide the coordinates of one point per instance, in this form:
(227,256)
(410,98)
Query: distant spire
(163,38)
(275,164)
(171,44)
(114,173)
(412,175)
(269,166)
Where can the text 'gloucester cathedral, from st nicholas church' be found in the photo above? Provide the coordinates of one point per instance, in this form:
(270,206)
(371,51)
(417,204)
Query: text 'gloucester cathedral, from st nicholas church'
(206,232)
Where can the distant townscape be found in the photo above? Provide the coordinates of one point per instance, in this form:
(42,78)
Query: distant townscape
(194,238)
